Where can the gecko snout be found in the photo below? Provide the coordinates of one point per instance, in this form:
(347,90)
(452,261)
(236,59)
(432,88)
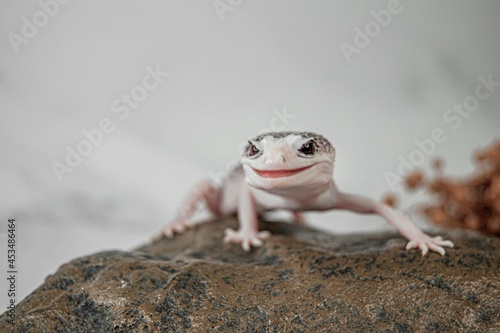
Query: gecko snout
(275,158)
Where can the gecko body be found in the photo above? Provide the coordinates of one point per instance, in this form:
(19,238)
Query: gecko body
(291,171)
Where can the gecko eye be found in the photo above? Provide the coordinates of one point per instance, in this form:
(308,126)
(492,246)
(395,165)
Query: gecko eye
(307,148)
(252,151)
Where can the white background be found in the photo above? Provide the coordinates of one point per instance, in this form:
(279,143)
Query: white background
(229,73)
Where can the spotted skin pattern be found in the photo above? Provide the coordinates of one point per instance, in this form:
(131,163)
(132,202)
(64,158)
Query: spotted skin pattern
(321,143)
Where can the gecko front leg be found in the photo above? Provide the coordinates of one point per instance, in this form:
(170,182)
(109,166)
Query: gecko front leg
(416,237)
(207,192)
(248,232)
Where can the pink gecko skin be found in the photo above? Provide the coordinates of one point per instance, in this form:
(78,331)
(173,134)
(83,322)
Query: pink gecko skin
(291,171)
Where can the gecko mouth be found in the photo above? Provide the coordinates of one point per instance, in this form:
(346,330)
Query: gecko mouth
(280,173)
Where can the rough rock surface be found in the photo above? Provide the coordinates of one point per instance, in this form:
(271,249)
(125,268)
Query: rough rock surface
(301,280)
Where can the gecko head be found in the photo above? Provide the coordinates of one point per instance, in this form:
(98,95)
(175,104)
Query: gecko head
(288,160)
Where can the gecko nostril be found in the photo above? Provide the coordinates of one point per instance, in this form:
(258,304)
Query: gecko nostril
(282,159)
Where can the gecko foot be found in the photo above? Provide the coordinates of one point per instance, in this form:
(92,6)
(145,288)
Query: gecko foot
(170,230)
(246,239)
(427,243)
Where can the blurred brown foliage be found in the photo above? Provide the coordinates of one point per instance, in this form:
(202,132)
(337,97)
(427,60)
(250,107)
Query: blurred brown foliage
(471,203)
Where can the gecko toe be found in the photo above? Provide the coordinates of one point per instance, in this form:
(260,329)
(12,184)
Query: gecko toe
(445,243)
(229,235)
(424,249)
(436,248)
(257,242)
(411,245)
(264,234)
(246,245)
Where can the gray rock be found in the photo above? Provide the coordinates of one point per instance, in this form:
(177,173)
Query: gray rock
(301,280)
